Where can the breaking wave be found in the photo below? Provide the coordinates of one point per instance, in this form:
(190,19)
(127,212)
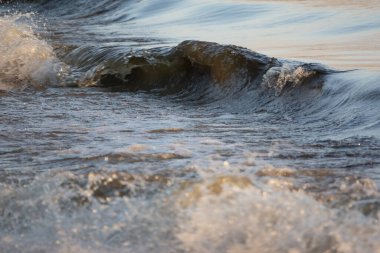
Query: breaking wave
(191,65)
(153,146)
(25,59)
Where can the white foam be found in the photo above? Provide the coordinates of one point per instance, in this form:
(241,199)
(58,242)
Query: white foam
(24,58)
(59,212)
(278,77)
(229,215)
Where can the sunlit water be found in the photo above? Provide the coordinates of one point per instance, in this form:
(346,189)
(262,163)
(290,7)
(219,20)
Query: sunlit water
(113,141)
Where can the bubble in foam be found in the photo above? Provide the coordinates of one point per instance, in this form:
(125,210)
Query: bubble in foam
(25,60)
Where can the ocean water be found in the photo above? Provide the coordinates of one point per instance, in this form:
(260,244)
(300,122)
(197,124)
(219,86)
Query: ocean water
(235,126)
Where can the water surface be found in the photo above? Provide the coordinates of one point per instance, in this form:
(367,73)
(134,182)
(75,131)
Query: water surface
(123,130)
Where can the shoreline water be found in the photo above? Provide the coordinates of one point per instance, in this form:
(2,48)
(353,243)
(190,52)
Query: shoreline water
(119,134)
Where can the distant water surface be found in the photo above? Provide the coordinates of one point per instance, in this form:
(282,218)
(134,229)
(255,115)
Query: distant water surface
(341,34)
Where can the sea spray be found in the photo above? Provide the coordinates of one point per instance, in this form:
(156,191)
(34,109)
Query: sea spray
(25,59)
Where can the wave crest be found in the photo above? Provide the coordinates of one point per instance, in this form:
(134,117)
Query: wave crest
(196,66)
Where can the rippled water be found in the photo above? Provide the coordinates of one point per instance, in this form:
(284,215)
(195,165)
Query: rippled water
(117,135)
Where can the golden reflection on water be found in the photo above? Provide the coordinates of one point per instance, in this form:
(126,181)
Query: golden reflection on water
(326,3)
(362,53)
(344,36)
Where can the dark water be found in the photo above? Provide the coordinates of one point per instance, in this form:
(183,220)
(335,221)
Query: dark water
(123,130)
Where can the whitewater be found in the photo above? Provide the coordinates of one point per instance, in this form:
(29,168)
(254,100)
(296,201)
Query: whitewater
(189,126)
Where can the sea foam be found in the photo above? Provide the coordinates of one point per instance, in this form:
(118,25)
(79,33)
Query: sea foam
(25,59)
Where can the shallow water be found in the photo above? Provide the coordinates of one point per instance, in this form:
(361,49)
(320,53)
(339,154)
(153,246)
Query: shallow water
(116,136)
